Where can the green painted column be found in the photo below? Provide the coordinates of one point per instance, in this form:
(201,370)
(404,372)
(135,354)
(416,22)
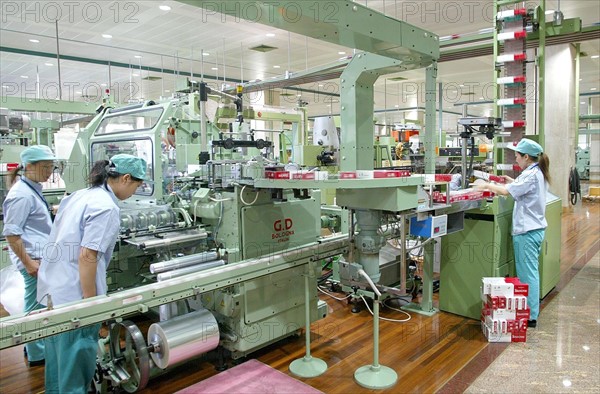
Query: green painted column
(430,101)
(356,147)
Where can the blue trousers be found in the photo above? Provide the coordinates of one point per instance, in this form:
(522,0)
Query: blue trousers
(35,350)
(527,248)
(71,360)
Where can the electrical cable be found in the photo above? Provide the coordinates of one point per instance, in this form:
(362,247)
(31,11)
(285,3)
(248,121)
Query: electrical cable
(385,318)
(332,296)
(242,197)
(219,199)
(49,307)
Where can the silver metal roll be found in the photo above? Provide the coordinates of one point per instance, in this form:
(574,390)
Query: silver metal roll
(181,262)
(183,337)
(156,243)
(189,270)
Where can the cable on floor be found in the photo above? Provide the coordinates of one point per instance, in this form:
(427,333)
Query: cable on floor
(385,318)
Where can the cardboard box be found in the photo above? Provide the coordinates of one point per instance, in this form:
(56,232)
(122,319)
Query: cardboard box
(594,191)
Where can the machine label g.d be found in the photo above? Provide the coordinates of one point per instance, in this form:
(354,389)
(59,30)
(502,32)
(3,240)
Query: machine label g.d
(283,229)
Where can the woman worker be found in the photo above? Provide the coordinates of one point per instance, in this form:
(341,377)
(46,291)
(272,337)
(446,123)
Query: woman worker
(74,266)
(528,219)
(27,224)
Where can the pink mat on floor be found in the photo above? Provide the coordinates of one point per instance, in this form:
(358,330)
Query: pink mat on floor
(249,378)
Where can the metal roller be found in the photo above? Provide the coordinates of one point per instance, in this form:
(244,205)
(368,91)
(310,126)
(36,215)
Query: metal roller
(131,362)
(183,337)
(182,262)
(174,240)
(189,270)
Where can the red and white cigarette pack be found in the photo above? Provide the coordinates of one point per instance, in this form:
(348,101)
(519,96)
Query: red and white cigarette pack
(347,175)
(518,314)
(504,314)
(443,177)
(308,175)
(277,174)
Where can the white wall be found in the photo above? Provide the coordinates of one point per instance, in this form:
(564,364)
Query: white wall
(560,106)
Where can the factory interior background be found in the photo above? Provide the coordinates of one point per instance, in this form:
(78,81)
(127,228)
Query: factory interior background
(314,160)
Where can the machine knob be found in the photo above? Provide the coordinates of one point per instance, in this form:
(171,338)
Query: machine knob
(260,143)
(229,144)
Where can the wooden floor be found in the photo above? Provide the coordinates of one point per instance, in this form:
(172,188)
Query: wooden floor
(426,352)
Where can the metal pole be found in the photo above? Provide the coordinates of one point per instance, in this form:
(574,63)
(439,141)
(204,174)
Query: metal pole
(403,254)
(463,153)
(60,96)
(162,80)
(307,366)
(375,330)
(307,314)
(440,113)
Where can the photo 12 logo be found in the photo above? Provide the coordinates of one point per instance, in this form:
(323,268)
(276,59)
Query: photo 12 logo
(69,11)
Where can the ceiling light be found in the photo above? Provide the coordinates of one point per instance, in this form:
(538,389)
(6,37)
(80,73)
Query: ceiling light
(106,36)
(167,91)
(165,8)
(582,102)
(137,57)
(550,12)
(214,68)
(135,75)
(595,56)
(594,89)
(205,53)
(270,35)
(320,85)
(276,66)
(341,53)
(480,98)
(78,92)
(586,347)
(4,87)
(566,382)
(24,76)
(34,40)
(396,106)
(48,64)
(102,84)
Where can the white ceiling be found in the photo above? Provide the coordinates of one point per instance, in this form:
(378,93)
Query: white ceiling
(175,40)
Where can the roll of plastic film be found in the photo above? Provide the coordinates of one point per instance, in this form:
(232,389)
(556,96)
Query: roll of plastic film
(183,338)
(182,262)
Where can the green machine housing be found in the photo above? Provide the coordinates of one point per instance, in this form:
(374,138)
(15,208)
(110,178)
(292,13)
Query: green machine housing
(485,249)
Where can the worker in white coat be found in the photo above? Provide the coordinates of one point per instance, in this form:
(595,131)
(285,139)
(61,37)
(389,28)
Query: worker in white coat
(27,224)
(75,262)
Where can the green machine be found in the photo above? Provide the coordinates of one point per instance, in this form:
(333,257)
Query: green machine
(484,249)
(215,247)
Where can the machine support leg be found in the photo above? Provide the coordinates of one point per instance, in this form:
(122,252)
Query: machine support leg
(428,257)
(307,367)
(426,305)
(375,376)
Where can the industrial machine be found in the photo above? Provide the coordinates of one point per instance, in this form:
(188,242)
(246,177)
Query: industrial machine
(212,248)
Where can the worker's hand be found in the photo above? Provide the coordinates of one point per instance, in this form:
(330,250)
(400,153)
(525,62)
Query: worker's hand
(33,267)
(480,186)
(507,179)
